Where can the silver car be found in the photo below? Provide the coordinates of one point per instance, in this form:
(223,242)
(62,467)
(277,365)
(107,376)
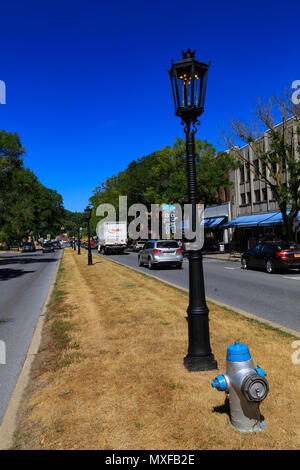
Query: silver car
(161,252)
(138,245)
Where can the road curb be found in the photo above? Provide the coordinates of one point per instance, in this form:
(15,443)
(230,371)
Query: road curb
(9,422)
(243,313)
(219,258)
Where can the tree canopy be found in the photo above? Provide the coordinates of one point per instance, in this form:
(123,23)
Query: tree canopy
(73,221)
(161,177)
(26,206)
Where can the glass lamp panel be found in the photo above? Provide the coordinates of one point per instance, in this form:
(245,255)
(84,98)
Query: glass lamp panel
(185,79)
(198,86)
(175,90)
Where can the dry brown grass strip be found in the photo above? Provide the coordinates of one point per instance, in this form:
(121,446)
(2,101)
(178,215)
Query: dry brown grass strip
(118,382)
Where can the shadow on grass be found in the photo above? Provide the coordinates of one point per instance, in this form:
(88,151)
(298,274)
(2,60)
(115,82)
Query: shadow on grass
(222,409)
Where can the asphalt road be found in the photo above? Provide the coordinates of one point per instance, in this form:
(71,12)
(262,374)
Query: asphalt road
(274,297)
(24,283)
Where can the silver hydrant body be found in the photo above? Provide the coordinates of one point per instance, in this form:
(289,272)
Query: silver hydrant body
(245,387)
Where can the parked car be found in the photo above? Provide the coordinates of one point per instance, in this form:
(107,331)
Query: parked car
(161,252)
(57,245)
(28,247)
(139,244)
(48,248)
(272,256)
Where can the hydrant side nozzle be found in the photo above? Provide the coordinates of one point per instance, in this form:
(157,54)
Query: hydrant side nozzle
(255,387)
(219,383)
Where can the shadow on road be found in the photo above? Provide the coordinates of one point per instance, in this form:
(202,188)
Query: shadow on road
(26,260)
(7,274)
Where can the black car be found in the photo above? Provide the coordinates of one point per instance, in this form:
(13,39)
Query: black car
(56,245)
(28,247)
(272,256)
(48,248)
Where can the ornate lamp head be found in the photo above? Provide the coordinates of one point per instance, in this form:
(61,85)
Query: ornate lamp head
(188,79)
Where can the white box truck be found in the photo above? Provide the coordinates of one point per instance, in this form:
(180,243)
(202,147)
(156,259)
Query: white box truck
(112,237)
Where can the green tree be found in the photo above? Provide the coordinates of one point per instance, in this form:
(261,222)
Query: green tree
(19,217)
(26,206)
(72,221)
(49,211)
(161,177)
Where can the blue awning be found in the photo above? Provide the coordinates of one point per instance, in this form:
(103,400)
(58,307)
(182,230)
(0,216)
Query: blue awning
(212,222)
(275,219)
(208,223)
(256,220)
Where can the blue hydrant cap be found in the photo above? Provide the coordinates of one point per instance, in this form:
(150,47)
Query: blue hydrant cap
(260,371)
(238,352)
(219,383)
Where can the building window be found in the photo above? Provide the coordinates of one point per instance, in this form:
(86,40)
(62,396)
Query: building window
(256,168)
(257,195)
(248,172)
(264,194)
(249,198)
(243,199)
(242,175)
(273,195)
(274,167)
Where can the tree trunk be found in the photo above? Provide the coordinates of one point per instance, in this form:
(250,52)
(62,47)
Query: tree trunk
(288,221)
(290,231)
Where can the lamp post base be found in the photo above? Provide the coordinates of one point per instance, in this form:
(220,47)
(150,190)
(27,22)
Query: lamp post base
(198,363)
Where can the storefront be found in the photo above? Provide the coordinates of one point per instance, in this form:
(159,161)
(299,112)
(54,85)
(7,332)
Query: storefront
(249,229)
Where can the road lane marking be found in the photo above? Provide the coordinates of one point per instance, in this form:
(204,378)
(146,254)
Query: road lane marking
(292,277)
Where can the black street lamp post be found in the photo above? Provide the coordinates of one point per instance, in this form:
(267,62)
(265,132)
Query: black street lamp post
(78,242)
(188,79)
(88,213)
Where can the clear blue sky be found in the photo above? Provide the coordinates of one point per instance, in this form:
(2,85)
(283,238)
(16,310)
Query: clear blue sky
(87,83)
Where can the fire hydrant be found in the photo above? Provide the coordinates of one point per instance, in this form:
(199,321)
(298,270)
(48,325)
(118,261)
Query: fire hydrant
(245,387)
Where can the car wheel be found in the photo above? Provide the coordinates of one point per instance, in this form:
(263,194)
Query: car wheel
(139,261)
(150,264)
(244,263)
(179,265)
(270,266)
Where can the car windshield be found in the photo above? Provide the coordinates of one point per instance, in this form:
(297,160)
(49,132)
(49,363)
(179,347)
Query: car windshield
(286,246)
(167,244)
